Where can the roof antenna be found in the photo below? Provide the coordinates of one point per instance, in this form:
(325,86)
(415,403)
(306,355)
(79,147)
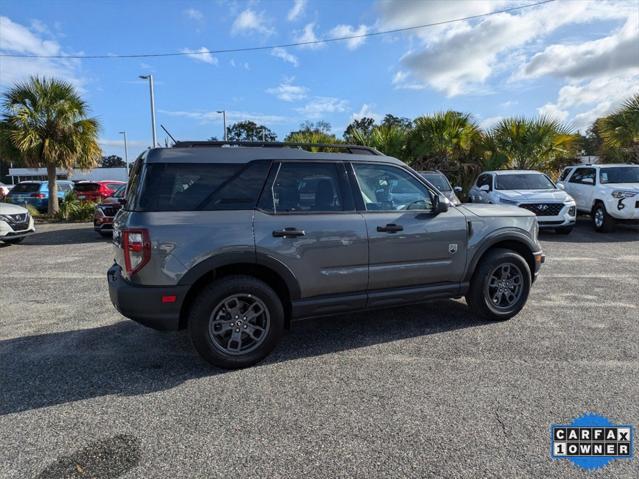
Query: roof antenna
(167,132)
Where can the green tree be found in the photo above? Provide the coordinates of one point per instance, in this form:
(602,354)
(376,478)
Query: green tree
(113,161)
(314,133)
(249,131)
(359,128)
(620,131)
(537,144)
(46,125)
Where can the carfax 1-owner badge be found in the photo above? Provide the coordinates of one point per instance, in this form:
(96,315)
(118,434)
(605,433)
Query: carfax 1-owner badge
(591,441)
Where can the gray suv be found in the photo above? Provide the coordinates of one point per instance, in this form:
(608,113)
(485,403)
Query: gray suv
(234,241)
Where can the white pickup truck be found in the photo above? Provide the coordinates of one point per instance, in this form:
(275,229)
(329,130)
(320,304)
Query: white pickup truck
(609,193)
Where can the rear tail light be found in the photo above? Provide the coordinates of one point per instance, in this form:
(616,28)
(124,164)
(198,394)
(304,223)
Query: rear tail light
(137,250)
(38,195)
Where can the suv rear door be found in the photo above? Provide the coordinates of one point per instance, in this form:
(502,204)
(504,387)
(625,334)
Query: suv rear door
(409,245)
(306,221)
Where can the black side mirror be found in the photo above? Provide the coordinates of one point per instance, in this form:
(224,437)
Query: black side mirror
(440,204)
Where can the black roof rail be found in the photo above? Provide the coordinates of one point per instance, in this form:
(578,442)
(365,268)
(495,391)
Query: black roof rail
(352,149)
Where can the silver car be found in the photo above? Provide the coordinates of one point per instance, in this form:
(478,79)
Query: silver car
(234,241)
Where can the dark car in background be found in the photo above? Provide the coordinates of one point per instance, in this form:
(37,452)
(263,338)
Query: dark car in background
(439,181)
(106,211)
(96,191)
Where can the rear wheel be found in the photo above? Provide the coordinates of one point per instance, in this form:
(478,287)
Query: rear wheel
(500,286)
(236,322)
(601,220)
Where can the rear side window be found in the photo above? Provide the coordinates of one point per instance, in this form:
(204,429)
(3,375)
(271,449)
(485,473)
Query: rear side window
(306,187)
(201,186)
(26,188)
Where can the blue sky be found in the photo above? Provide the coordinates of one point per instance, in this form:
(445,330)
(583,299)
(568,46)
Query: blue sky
(570,59)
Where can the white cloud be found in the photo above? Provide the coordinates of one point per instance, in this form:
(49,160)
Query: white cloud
(201,55)
(231,116)
(349,30)
(320,106)
(614,53)
(18,39)
(296,10)
(488,123)
(459,58)
(308,35)
(284,55)
(194,14)
(366,111)
(587,100)
(286,91)
(250,21)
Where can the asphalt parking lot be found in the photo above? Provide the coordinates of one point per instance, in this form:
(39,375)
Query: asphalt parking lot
(423,391)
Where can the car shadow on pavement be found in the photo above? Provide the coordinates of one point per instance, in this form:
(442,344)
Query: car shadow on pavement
(128,359)
(584,232)
(75,235)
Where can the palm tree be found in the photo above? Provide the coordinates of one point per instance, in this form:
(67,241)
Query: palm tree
(449,141)
(620,131)
(45,122)
(388,138)
(537,144)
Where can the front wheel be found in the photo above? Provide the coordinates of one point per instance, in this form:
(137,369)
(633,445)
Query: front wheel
(236,321)
(601,220)
(500,286)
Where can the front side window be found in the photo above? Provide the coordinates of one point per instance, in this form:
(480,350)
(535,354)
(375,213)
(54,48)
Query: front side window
(523,181)
(484,180)
(564,174)
(201,186)
(583,176)
(388,188)
(305,187)
(620,174)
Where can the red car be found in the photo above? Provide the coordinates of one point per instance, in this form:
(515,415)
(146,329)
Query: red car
(96,191)
(106,211)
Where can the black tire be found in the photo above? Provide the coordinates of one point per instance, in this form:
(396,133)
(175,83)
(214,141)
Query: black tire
(14,240)
(211,299)
(478,296)
(564,230)
(601,220)
(105,234)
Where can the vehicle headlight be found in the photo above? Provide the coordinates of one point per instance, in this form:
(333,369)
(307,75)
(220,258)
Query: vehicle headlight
(569,201)
(506,201)
(5,218)
(623,194)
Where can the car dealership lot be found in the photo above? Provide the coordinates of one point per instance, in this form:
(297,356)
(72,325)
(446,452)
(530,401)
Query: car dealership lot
(418,391)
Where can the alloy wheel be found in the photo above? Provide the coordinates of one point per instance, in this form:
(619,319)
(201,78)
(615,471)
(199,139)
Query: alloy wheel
(239,324)
(504,287)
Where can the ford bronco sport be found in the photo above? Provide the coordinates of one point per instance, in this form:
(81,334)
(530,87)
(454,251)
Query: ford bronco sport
(234,241)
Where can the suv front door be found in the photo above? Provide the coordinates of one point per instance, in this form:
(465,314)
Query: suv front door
(306,221)
(409,245)
(581,186)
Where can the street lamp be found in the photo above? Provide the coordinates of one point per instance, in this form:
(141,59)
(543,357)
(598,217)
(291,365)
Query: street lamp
(126,152)
(223,112)
(150,78)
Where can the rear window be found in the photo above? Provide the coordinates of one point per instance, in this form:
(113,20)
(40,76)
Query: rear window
(86,187)
(26,188)
(191,187)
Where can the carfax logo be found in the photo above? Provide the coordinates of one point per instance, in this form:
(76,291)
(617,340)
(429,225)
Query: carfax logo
(591,441)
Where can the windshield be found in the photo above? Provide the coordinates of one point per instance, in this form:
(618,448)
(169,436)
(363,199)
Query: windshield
(26,188)
(623,174)
(523,181)
(438,180)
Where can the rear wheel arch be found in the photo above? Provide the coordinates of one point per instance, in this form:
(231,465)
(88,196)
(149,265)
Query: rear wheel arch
(284,283)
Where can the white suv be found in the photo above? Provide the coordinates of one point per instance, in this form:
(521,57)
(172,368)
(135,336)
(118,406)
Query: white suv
(609,193)
(527,189)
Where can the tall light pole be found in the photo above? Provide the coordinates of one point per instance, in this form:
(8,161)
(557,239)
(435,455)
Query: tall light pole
(150,78)
(223,112)
(126,152)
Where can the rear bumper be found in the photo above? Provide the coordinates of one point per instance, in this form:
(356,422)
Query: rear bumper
(146,304)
